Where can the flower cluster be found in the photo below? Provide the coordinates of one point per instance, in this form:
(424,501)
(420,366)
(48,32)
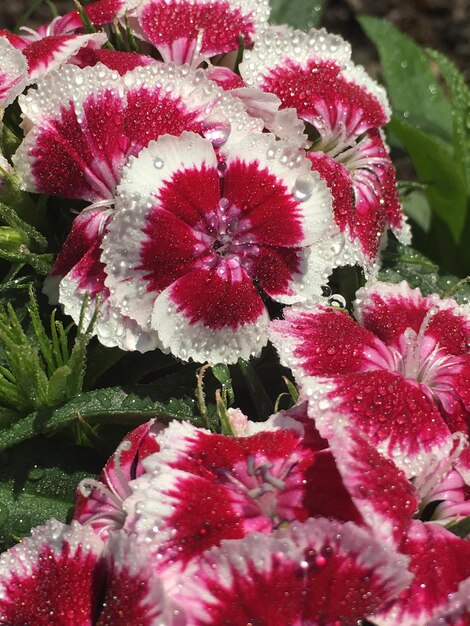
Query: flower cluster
(220,172)
(207,193)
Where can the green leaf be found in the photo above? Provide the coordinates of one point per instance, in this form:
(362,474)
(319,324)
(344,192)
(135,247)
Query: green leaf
(38,481)
(413,89)
(112,405)
(11,218)
(460,99)
(436,169)
(405,263)
(222,373)
(461,529)
(303,14)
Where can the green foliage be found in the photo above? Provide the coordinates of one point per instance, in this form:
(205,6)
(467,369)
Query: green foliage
(38,481)
(39,371)
(303,14)
(406,263)
(116,405)
(461,529)
(431,105)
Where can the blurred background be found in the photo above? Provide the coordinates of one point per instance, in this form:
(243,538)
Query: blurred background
(441,24)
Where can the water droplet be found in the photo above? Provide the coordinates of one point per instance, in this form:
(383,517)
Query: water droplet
(158,163)
(216,128)
(304,186)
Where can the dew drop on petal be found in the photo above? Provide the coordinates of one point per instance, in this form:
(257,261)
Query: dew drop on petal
(216,128)
(158,163)
(304,186)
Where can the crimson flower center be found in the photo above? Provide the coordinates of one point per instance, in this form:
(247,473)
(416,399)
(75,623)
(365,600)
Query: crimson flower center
(226,239)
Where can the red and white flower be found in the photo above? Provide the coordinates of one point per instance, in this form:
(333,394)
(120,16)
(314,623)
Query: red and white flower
(83,125)
(190,31)
(13,73)
(99,503)
(319,572)
(198,230)
(401,376)
(64,575)
(313,73)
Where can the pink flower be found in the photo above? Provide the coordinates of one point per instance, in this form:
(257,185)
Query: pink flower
(197,231)
(77,148)
(13,73)
(188,31)
(401,376)
(100,502)
(64,576)
(313,73)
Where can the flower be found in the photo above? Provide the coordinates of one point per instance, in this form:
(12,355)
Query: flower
(76,147)
(313,73)
(99,503)
(401,375)
(12,74)
(198,230)
(189,31)
(64,575)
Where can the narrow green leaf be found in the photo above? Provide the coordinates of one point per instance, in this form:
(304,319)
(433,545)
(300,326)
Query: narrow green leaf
(460,99)
(436,169)
(222,373)
(112,405)
(303,14)
(461,529)
(57,386)
(261,400)
(10,217)
(413,89)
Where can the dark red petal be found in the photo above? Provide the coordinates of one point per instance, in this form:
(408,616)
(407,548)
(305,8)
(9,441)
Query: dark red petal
(394,413)
(153,111)
(86,229)
(173,27)
(318,89)
(273,212)
(134,593)
(388,310)
(381,492)
(439,562)
(52,51)
(78,162)
(319,573)
(324,342)
(168,251)
(122,62)
(274,268)
(192,195)
(340,183)
(377,203)
(217,300)
(53,578)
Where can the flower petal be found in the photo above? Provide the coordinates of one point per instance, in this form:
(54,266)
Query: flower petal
(134,593)
(381,492)
(13,73)
(49,53)
(439,561)
(326,342)
(174,26)
(215,316)
(52,578)
(312,73)
(325,573)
